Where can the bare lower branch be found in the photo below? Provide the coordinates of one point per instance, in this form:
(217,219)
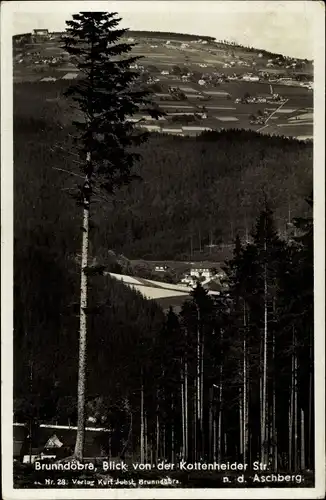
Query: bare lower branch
(68,172)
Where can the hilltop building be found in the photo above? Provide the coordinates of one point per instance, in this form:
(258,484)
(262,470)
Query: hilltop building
(41,32)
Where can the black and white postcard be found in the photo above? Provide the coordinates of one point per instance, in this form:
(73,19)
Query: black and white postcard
(162,241)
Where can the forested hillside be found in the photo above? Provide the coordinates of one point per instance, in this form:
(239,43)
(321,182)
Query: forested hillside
(219,380)
(203,190)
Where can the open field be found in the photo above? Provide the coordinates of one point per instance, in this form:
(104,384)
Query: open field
(206,106)
(220,113)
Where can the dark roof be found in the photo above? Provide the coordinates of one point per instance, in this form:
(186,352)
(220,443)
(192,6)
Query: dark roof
(214,286)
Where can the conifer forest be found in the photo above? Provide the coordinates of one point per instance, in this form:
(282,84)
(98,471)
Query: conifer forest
(229,377)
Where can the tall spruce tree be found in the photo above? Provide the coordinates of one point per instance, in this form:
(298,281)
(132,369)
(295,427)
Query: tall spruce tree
(297,325)
(106,94)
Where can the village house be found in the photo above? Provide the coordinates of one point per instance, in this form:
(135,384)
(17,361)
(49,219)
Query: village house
(57,442)
(41,33)
(189,280)
(201,272)
(209,277)
(161,269)
(151,128)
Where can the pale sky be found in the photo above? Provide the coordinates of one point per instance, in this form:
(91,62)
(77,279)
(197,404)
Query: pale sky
(286,27)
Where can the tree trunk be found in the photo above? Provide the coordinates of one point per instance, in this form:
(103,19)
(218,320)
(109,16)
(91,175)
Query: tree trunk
(164,442)
(264,388)
(241,425)
(198,375)
(303,452)
(129,438)
(245,390)
(246,229)
(261,349)
(157,454)
(291,414)
(183,415)
(219,439)
(214,438)
(157,438)
(195,421)
(145,439)
(261,389)
(270,433)
(80,437)
(295,417)
(30,418)
(186,406)
(202,397)
(142,430)
(219,430)
(210,423)
(172,433)
(274,432)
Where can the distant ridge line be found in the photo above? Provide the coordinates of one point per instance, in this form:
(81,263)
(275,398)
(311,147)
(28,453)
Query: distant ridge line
(167,34)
